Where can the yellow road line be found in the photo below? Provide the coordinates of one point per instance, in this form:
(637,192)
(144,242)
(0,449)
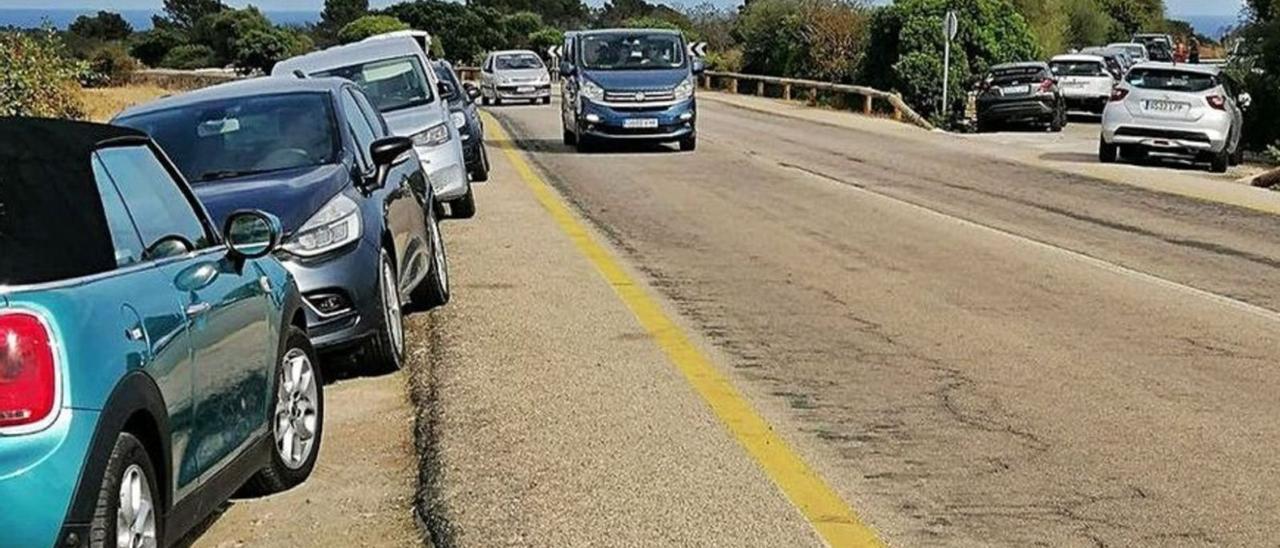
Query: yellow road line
(834,520)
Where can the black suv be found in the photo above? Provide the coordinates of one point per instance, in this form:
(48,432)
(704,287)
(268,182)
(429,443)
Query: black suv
(1024,93)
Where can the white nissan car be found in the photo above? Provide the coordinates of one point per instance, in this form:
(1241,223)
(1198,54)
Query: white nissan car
(1192,111)
(1084,80)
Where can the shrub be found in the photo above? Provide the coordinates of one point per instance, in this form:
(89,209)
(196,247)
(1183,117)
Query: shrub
(152,46)
(104,25)
(38,78)
(190,57)
(544,38)
(259,50)
(370,25)
(111,65)
(222,30)
(772,37)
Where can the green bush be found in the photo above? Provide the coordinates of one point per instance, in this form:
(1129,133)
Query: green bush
(152,46)
(111,65)
(370,25)
(38,78)
(222,31)
(544,38)
(259,50)
(190,57)
(772,37)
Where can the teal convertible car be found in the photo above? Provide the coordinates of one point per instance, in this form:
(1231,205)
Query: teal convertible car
(151,364)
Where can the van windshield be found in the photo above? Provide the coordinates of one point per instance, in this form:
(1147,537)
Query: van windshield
(391,84)
(632,51)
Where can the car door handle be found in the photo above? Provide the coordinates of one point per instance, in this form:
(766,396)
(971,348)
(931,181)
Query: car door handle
(197,309)
(135,333)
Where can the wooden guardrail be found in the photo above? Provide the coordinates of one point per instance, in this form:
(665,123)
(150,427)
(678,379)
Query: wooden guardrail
(789,87)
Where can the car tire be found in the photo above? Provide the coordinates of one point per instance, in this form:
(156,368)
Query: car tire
(1221,161)
(433,291)
(1107,152)
(585,144)
(297,422)
(464,207)
(384,351)
(689,144)
(1237,157)
(129,467)
(1134,153)
(1055,125)
(480,173)
(546,100)
(497,101)
(570,138)
(985,126)
(484,99)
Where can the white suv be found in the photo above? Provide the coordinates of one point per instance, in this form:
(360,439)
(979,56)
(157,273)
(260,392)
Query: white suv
(1084,80)
(1185,110)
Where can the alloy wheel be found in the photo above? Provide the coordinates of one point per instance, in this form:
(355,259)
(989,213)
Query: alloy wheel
(297,395)
(391,307)
(135,517)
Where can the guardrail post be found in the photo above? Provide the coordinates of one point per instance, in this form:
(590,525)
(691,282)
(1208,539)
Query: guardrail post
(706,82)
(733,83)
(813,96)
(786,92)
(897,113)
(760,88)
(866,104)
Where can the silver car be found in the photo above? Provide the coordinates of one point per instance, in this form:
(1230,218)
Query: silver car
(514,75)
(396,75)
(1192,111)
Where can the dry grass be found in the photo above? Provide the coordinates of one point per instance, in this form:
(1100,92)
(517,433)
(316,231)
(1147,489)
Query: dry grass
(103,103)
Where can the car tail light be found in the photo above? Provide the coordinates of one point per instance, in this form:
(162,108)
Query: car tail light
(1046,86)
(1217,101)
(28,380)
(1118,94)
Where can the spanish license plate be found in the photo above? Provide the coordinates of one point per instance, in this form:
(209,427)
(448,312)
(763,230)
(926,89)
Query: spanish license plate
(1016,90)
(1164,106)
(524,89)
(640,123)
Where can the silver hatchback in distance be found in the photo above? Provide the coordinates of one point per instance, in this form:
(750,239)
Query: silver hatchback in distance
(1191,111)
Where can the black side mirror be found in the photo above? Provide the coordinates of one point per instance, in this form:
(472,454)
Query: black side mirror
(472,91)
(699,67)
(385,151)
(252,234)
(446,90)
(567,69)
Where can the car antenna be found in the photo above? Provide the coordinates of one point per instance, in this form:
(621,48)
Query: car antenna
(297,73)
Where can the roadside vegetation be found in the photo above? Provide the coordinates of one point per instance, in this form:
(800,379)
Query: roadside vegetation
(896,47)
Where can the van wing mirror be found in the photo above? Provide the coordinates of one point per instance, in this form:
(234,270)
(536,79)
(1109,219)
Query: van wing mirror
(699,66)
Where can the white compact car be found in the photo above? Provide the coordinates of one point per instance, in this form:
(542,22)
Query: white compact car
(1137,52)
(395,74)
(1185,110)
(1085,81)
(515,75)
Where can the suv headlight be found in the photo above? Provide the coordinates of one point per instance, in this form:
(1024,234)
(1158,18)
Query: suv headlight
(335,225)
(592,91)
(685,89)
(433,136)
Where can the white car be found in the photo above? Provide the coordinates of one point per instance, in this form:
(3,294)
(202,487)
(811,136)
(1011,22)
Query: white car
(1137,52)
(1085,81)
(1185,110)
(514,75)
(396,76)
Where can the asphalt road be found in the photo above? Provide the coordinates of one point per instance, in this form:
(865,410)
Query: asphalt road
(970,350)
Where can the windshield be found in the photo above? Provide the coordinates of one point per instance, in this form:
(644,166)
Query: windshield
(632,51)
(1077,68)
(244,135)
(517,61)
(1171,80)
(391,84)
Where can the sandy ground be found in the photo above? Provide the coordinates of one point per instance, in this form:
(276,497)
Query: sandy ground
(103,103)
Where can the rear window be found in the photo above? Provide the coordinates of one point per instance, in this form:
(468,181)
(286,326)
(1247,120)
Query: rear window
(52,223)
(1078,68)
(1171,80)
(1017,75)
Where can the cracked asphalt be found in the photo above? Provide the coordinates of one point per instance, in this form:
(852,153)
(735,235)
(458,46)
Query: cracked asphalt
(970,350)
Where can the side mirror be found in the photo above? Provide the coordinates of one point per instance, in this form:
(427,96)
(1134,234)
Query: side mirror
(385,151)
(1245,100)
(567,69)
(252,234)
(446,90)
(699,66)
(472,91)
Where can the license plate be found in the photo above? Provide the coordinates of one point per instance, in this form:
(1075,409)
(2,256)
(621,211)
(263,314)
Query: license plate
(524,89)
(1016,90)
(1164,106)
(1075,84)
(640,123)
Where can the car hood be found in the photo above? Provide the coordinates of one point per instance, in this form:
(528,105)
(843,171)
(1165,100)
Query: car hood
(412,121)
(637,80)
(292,195)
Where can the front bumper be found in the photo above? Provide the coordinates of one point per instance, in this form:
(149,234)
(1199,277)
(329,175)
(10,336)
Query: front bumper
(519,92)
(350,275)
(38,476)
(674,122)
(445,168)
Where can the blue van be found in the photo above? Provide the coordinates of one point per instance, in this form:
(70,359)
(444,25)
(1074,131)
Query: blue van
(628,84)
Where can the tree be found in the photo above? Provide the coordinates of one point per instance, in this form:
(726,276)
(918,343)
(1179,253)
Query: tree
(1086,24)
(339,13)
(772,36)
(518,26)
(104,25)
(558,13)
(465,32)
(222,30)
(152,46)
(1132,16)
(184,14)
(369,25)
(835,35)
(259,50)
(544,38)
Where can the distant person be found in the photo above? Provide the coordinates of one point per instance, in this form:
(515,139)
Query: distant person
(1180,52)
(1194,55)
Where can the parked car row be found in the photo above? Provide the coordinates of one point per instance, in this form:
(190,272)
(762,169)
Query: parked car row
(169,283)
(1149,105)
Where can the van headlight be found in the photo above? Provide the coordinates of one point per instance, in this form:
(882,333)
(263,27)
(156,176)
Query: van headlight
(335,225)
(592,91)
(685,89)
(433,136)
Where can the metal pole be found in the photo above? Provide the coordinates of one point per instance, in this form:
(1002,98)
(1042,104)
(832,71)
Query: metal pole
(946,75)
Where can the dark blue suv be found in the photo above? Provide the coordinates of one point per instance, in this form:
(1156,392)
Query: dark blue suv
(361,230)
(629,84)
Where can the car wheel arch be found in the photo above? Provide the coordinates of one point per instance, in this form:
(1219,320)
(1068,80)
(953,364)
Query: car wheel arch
(136,406)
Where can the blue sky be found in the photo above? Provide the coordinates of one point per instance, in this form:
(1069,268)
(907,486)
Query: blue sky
(1176,7)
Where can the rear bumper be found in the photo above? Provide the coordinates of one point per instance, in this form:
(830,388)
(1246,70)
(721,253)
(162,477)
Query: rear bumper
(674,122)
(1090,103)
(38,477)
(1031,109)
(1204,136)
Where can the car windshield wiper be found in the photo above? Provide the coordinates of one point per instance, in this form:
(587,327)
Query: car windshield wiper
(220,174)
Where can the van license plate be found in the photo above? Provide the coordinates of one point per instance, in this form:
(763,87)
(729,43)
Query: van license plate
(640,123)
